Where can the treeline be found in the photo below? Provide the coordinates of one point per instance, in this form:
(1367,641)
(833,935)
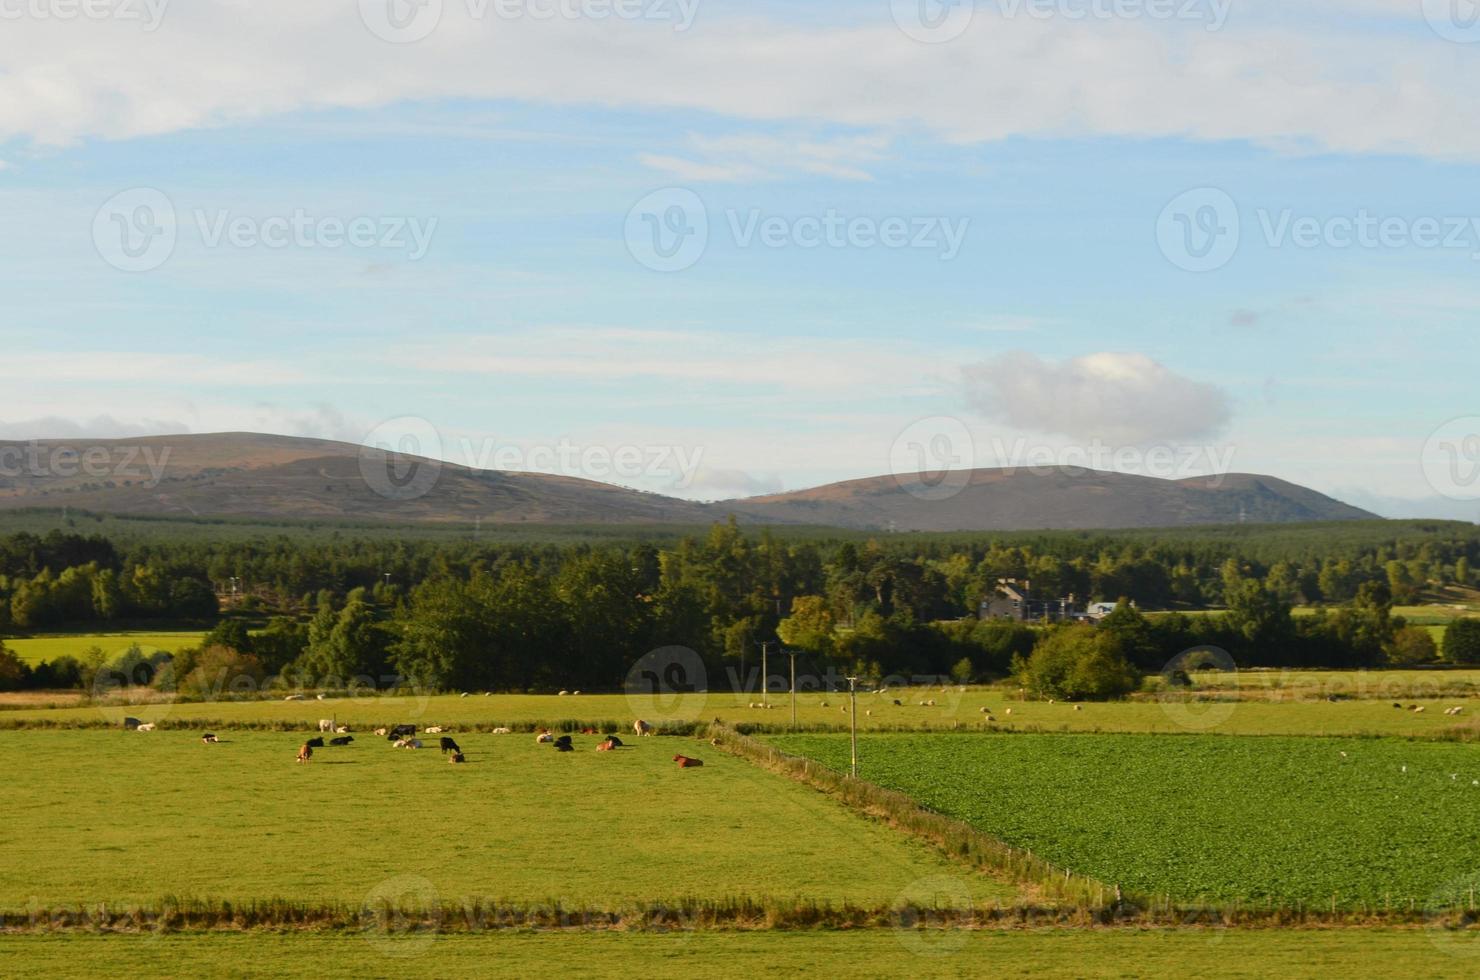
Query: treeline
(480,615)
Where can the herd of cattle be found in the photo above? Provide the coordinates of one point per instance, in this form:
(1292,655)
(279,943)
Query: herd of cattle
(404,737)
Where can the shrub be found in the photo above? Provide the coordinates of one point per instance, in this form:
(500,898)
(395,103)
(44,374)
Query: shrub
(1413,645)
(1078,663)
(15,674)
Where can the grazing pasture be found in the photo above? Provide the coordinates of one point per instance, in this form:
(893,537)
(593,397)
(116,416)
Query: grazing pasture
(877,953)
(1369,715)
(112,816)
(35,649)
(1362,822)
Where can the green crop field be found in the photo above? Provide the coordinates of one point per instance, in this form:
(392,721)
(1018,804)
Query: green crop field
(95,816)
(880,953)
(33,650)
(1282,820)
(1268,714)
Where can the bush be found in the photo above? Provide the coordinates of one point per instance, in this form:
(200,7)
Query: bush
(15,674)
(1462,642)
(1079,663)
(1413,645)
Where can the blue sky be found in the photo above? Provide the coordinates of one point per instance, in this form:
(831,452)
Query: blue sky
(1039,298)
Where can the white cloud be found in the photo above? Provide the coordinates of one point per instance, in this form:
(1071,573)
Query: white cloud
(1335,86)
(1117,397)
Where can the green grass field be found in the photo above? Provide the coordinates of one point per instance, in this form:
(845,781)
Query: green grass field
(1283,820)
(98,816)
(33,650)
(881,953)
(1288,717)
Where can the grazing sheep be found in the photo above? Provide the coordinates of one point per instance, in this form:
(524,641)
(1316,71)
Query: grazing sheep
(1008,711)
(1079,707)
(930,703)
(209,737)
(641,727)
(148,726)
(825,704)
(305,753)
(293,697)
(574,693)
(869,712)
(463,694)
(321,697)
(986,710)
(1418,710)
(564,693)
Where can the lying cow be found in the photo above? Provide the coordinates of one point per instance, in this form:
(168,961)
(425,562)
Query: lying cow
(611,742)
(544,737)
(342,740)
(305,752)
(448,745)
(209,737)
(684,762)
(315,743)
(148,726)
(133,723)
(564,741)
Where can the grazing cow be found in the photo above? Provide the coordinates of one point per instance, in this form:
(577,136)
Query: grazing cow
(400,730)
(305,752)
(448,745)
(315,743)
(326,724)
(457,757)
(640,727)
(209,737)
(146,727)
(342,740)
(684,762)
(131,723)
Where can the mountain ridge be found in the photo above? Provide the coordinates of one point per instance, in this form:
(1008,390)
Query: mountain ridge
(244,474)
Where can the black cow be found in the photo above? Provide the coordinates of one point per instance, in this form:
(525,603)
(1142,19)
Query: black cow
(563,743)
(342,740)
(616,742)
(564,747)
(315,743)
(448,745)
(401,731)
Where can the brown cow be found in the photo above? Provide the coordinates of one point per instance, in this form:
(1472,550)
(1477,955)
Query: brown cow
(684,762)
(305,752)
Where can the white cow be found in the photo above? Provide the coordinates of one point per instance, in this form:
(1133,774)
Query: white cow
(640,727)
(148,726)
(326,724)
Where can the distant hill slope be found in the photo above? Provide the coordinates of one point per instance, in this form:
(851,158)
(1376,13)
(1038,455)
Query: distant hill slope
(263,476)
(997,499)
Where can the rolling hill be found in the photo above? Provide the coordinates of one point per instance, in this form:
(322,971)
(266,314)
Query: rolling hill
(283,477)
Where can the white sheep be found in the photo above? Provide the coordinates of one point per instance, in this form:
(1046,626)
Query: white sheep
(321,697)
(564,693)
